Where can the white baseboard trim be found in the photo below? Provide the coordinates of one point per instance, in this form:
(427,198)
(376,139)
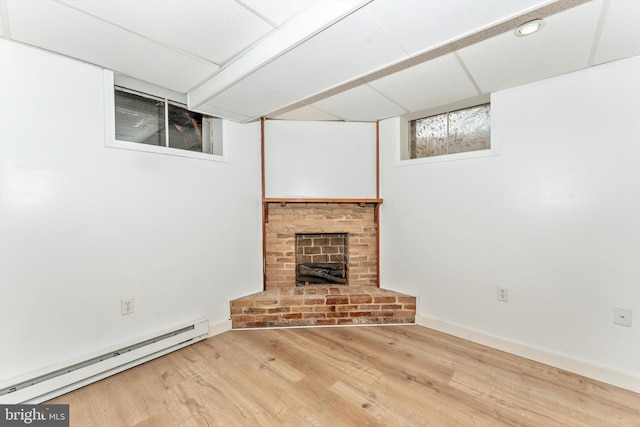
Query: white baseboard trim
(219,328)
(586,369)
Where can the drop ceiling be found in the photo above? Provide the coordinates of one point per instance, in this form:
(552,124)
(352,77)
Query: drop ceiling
(347,60)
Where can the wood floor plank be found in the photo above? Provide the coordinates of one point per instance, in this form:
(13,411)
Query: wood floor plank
(409,381)
(404,375)
(488,367)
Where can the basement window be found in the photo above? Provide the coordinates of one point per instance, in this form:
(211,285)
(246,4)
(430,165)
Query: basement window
(143,117)
(452,132)
(147,123)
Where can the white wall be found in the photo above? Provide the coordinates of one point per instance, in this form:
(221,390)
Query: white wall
(554,218)
(320,159)
(83,225)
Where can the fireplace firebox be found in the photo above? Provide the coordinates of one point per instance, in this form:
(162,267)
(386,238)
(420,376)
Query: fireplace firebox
(322,258)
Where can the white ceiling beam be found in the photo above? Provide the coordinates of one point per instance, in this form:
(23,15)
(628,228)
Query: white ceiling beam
(311,21)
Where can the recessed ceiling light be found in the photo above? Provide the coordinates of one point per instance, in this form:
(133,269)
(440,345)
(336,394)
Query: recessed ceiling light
(529,28)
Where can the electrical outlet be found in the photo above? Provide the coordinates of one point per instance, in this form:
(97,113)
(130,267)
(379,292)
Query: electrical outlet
(503,294)
(126,306)
(622,316)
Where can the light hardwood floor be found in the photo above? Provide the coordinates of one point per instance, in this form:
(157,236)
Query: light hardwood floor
(352,376)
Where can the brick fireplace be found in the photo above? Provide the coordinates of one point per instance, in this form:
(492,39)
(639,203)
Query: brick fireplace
(307,239)
(320,233)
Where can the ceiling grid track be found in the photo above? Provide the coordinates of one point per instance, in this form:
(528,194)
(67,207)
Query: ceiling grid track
(503,27)
(598,35)
(4,20)
(467,72)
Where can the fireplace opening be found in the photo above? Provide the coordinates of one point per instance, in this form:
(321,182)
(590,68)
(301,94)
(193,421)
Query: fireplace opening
(321,258)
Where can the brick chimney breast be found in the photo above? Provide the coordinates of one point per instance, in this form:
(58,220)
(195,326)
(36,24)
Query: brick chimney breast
(346,227)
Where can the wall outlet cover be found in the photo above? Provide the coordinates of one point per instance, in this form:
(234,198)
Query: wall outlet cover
(622,316)
(503,294)
(126,306)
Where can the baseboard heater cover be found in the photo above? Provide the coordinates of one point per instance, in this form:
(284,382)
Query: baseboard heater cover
(63,380)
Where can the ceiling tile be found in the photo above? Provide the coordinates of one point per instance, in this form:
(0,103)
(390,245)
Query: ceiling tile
(4,20)
(563,45)
(251,97)
(418,25)
(343,52)
(360,104)
(437,82)
(620,36)
(56,27)
(276,11)
(305,114)
(215,30)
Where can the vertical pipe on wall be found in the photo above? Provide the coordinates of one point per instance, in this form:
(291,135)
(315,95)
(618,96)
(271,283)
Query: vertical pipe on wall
(376,208)
(262,152)
(377,160)
(264,209)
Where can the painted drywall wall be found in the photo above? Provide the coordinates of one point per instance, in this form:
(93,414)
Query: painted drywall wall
(553,218)
(83,225)
(320,159)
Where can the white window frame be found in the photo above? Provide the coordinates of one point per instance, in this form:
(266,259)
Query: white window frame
(403,148)
(110,127)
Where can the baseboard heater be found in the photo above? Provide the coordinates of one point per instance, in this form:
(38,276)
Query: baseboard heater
(45,386)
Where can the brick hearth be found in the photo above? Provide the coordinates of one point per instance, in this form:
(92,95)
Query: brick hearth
(322,305)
